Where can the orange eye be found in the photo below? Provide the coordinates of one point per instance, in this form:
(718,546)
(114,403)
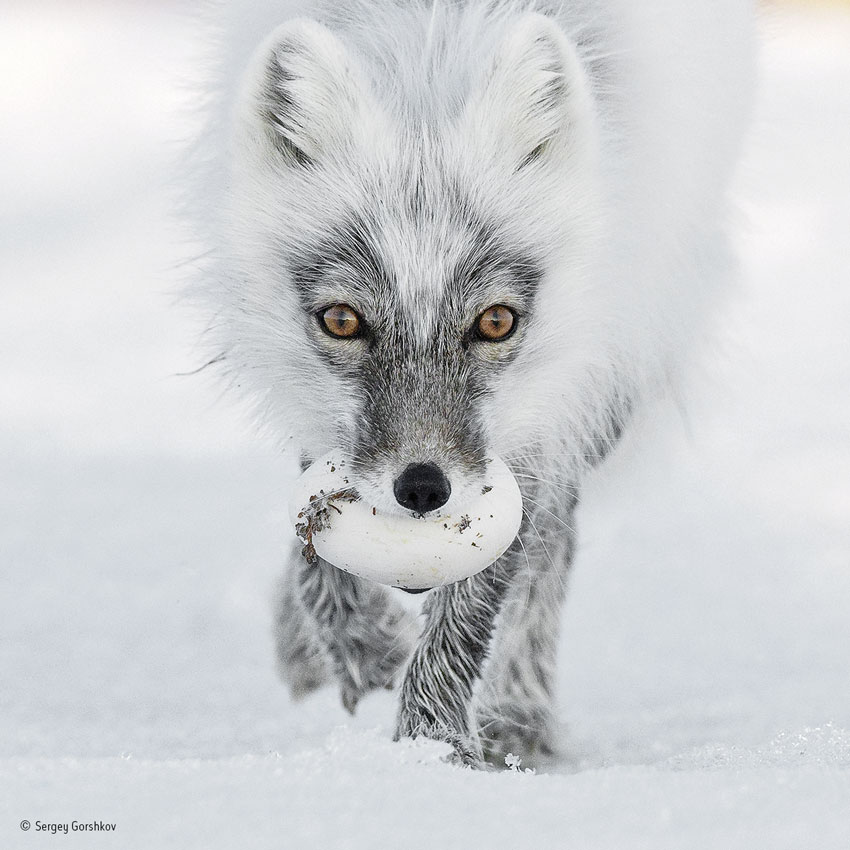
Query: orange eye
(340,321)
(496,323)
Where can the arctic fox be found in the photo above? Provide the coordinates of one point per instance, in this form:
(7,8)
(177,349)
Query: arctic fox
(443,229)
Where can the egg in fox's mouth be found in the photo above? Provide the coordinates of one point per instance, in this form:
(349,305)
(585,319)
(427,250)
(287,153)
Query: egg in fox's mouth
(411,550)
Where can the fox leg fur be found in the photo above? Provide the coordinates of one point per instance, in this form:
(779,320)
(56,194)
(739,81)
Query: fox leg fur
(332,622)
(516,700)
(510,611)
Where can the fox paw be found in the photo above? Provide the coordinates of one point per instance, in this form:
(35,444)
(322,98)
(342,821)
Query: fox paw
(465,749)
(359,675)
(527,734)
(369,658)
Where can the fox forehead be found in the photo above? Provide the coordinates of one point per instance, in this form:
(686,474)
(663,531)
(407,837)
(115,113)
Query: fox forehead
(435,257)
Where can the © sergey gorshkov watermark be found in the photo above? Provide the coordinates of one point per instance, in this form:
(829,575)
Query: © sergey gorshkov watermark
(65,827)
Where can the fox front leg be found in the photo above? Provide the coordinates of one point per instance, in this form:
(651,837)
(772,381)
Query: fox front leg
(364,633)
(515,704)
(436,696)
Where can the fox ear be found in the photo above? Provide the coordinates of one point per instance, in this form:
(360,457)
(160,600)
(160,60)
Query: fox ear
(305,93)
(535,101)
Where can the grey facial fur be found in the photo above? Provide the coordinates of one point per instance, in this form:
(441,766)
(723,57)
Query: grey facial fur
(419,371)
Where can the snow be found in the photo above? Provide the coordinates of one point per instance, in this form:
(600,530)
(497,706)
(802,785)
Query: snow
(704,677)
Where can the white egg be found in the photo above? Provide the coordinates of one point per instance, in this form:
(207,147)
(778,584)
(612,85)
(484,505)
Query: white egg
(405,551)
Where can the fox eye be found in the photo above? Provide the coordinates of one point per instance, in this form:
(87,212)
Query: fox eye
(341,321)
(496,323)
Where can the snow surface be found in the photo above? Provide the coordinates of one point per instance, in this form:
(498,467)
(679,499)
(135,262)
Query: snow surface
(705,683)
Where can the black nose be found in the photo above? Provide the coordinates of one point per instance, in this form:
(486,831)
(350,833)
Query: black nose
(422,487)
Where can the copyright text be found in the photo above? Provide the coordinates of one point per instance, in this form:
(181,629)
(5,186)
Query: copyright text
(55,828)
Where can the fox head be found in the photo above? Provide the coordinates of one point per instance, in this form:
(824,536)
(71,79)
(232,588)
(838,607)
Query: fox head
(411,224)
